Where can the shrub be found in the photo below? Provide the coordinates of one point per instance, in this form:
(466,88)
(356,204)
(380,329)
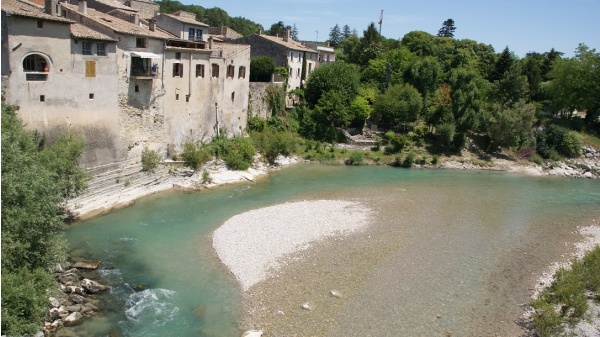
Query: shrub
(410,159)
(546,321)
(24,300)
(396,145)
(195,156)
(560,140)
(536,158)
(435,159)
(271,143)
(356,158)
(389,135)
(237,153)
(206,179)
(150,160)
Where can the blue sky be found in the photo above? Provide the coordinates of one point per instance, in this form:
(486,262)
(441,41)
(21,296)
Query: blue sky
(522,25)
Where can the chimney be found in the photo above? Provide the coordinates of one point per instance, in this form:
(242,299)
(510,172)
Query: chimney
(135,18)
(286,37)
(83,6)
(210,41)
(152,24)
(259,31)
(51,7)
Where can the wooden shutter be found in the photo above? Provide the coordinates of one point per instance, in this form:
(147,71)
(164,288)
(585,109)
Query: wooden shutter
(90,68)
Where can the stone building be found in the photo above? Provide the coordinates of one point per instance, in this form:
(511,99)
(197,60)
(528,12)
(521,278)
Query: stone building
(224,33)
(122,81)
(62,75)
(299,59)
(326,53)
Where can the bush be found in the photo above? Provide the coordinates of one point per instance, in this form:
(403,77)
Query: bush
(356,158)
(150,160)
(410,159)
(556,139)
(206,179)
(536,158)
(195,156)
(546,321)
(237,153)
(24,300)
(435,159)
(271,143)
(396,145)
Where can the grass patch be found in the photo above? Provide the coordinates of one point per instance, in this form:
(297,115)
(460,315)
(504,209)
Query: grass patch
(565,302)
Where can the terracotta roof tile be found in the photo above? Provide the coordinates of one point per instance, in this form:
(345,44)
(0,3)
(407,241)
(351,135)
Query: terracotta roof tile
(229,49)
(116,4)
(119,25)
(186,20)
(30,10)
(82,32)
(291,44)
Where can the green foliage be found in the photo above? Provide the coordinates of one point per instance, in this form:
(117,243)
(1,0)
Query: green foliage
(24,300)
(237,152)
(261,69)
(150,160)
(256,123)
(445,133)
(272,143)
(195,156)
(36,179)
(275,97)
(566,300)
(400,103)
(556,139)
(509,126)
(335,36)
(536,158)
(334,76)
(355,159)
(396,145)
(435,159)
(206,179)
(447,29)
(410,158)
(546,321)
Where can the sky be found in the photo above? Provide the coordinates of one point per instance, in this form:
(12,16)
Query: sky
(522,25)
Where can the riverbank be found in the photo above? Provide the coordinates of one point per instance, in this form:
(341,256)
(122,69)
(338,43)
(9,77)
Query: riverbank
(117,189)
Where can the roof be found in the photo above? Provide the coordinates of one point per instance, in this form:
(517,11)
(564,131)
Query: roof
(229,49)
(185,19)
(116,4)
(29,9)
(291,44)
(119,25)
(82,32)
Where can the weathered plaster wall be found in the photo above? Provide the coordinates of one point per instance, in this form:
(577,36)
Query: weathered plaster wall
(258,104)
(66,102)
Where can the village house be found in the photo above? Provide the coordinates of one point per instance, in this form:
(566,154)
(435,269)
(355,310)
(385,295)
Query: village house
(326,53)
(62,75)
(299,59)
(144,87)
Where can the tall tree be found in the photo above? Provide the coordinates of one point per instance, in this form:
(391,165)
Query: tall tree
(277,29)
(346,32)
(504,62)
(335,36)
(401,104)
(447,29)
(294,33)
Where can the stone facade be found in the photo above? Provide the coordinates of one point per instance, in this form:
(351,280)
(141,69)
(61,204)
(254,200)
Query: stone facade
(146,9)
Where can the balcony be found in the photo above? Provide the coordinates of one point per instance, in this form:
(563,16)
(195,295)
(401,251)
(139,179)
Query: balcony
(195,38)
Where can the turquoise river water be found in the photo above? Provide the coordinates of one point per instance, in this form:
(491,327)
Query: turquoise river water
(451,252)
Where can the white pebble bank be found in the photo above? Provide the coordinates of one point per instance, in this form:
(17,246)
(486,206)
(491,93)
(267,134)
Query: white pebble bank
(253,243)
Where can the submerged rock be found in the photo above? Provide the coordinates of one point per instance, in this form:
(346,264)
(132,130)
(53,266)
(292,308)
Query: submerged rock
(87,264)
(73,318)
(92,286)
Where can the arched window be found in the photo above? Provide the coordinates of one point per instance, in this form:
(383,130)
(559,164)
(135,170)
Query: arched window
(36,67)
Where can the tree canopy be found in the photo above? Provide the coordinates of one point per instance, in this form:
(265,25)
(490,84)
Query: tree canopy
(447,29)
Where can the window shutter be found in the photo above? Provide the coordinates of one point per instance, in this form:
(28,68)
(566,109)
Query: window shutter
(90,68)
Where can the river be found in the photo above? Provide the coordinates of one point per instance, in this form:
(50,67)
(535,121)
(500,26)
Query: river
(448,252)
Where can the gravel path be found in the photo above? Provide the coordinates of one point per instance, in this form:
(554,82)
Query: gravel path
(254,244)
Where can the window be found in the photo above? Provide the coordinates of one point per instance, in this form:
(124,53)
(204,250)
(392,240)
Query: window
(136,88)
(242,72)
(187,98)
(199,70)
(177,97)
(309,67)
(101,49)
(91,96)
(36,67)
(232,96)
(230,71)
(40,24)
(140,67)
(177,69)
(90,68)
(215,70)
(192,34)
(86,47)
(298,73)
(42,98)
(140,42)
(178,56)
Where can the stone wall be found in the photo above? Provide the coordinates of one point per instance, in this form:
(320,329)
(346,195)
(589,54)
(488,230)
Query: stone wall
(258,104)
(146,9)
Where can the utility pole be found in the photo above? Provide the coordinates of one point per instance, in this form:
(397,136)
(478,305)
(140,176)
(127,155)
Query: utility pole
(317,35)
(380,21)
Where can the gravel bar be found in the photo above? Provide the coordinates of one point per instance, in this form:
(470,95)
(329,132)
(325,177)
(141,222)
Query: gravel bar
(255,243)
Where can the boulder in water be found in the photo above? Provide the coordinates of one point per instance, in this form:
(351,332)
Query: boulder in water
(87,264)
(92,286)
(73,318)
